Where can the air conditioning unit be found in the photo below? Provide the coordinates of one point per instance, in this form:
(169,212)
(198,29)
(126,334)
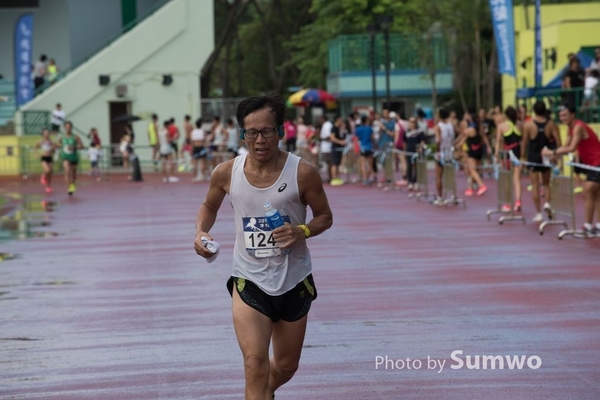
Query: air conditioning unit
(121,90)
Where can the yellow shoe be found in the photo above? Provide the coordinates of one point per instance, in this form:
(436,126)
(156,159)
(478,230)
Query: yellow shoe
(337,182)
(578,190)
(72,189)
(529,188)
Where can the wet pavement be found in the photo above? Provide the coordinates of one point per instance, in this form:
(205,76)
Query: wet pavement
(102,297)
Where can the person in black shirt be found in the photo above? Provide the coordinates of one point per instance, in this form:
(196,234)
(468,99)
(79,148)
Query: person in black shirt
(574,79)
(414,141)
(339,132)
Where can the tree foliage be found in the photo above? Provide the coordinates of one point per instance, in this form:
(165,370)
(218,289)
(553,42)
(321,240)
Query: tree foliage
(265,45)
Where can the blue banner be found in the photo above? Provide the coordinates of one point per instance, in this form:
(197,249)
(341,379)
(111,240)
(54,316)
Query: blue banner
(23,45)
(502,18)
(538,45)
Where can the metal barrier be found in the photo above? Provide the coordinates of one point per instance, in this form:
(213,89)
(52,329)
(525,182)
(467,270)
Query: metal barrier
(505,196)
(449,186)
(422,190)
(563,202)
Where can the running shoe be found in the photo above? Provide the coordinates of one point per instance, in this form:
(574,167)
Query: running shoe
(43,180)
(481,190)
(402,182)
(518,206)
(548,210)
(539,217)
(173,179)
(589,231)
(48,189)
(578,190)
(506,208)
(529,188)
(336,182)
(469,192)
(72,189)
(438,202)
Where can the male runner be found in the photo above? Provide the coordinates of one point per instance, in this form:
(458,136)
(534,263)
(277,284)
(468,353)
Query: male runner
(271,285)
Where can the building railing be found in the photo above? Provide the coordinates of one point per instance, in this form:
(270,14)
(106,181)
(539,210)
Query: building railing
(353,53)
(587,104)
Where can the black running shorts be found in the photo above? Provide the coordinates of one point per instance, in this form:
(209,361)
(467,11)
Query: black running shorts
(290,306)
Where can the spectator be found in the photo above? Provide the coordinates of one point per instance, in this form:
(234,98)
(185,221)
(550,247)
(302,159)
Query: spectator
(591,84)
(290,135)
(123,148)
(94,138)
(52,71)
(595,64)
(325,144)
(57,118)
(233,139)
(573,80)
(39,71)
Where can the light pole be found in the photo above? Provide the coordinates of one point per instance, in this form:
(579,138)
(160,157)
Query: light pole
(372,29)
(385,23)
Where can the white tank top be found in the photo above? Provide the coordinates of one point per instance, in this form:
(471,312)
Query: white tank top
(198,134)
(256,257)
(446,140)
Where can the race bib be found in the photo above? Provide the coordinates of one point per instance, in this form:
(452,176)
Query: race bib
(67,149)
(258,238)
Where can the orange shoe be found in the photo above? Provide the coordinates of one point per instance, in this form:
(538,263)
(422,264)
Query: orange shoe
(482,190)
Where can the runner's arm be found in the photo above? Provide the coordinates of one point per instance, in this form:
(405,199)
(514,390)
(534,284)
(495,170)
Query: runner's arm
(499,135)
(207,213)
(525,141)
(570,147)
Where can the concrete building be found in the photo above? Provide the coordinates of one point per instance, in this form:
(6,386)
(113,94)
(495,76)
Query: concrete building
(350,72)
(118,57)
(565,28)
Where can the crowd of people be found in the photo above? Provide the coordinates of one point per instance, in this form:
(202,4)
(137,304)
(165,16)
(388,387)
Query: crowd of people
(577,76)
(478,143)
(377,147)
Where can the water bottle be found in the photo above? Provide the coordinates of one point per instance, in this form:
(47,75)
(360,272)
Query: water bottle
(274,219)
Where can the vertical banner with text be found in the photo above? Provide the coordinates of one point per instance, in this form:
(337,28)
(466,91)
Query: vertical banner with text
(538,44)
(502,18)
(23,48)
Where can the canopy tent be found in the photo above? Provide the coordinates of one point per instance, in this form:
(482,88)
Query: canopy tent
(556,82)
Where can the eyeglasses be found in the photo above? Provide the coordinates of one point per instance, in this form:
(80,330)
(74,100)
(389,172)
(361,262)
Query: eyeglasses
(253,133)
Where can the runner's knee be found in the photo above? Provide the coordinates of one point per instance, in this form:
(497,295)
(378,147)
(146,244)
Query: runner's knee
(256,365)
(286,368)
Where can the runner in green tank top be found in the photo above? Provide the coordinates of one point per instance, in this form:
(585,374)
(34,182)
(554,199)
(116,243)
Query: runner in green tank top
(69,145)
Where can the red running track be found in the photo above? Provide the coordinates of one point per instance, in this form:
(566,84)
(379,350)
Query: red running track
(118,306)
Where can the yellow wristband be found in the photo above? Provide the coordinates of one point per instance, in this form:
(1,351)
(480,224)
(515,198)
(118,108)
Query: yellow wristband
(306,230)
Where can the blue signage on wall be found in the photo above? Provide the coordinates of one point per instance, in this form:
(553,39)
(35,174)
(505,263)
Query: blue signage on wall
(23,61)
(502,18)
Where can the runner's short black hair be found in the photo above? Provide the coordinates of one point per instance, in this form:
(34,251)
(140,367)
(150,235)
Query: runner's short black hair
(539,108)
(443,112)
(272,101)
(511,113)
